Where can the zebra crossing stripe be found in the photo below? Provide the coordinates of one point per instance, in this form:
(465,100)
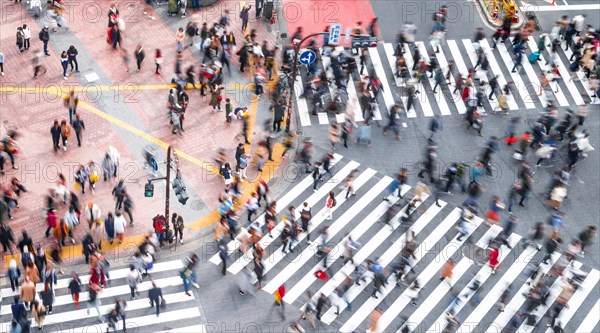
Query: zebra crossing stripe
(523,90)
(577,299)
(107,292)
(533,78)
(389,52)
(422,98)
(517,301)
(460,105)
(560,96)
(512,104)
(351,90)
(138,304)
(304,283)
(385,89)
(301,102)
(114,274)
(480,73)
(283,203)
(443,288)
(334,228)
(323,118)
(360,256)
(151,320)
(591,320)
(430,271)
(494,294)
(390,254)
(566,78)
(553,293)
(438,97)
(266,240)
(580,73)
(482,275)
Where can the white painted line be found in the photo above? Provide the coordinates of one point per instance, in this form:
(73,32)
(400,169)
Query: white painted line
(301,102)
(334,228)
(391,253)
(265,241)
(385,87)
(487,303)
(553,293)
(91,77)
(577,299)
(567,8)
(360,256)
(351,90)
(519,84)
(482,275)
(283,203)
(560,96)
(323,119)
(151,320)
(518,300)
(468,44)
(430,271)
(581,75)
(114,274)
(566,78)
(439,97)
(422,96)
(460,105)
(339,118)
(107,292)
(512,104)
(389,52)
(591,320)
(138,304)
(404,125)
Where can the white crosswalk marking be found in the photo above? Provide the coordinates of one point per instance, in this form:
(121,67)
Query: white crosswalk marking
(439,96)
(336,227)
(323,118)
(581,75)
(460,105)
(385,88)
(518,300)
(351,90)
(560,96)
(422,96)
(521,87)
(338,178)
(591,320)
(481,276)
(386,259)
(301,102)
(389,52)
(577,299)
(480,73)
(566,78)
(512,104)
(435,235)
(283,204)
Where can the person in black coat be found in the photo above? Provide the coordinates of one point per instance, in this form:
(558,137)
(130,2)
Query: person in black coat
(55,132)
(139,56)
(156,297)
(278,114)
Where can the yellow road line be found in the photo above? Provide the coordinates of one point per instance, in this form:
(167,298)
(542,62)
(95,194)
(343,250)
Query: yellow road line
(68,253)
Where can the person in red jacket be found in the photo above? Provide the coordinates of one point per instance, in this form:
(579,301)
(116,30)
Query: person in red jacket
(51,221)
(493,254)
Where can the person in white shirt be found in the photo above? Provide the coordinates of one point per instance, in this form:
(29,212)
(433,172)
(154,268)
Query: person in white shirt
(252,206)
(92,213)
(578,23)
(26,37)
(120,225)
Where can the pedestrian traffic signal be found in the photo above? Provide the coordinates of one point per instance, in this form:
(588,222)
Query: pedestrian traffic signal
(364,41)
(149,190)
(180,190)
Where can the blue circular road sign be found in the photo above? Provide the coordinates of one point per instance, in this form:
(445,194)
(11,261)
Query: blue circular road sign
(153,163)
(307,57)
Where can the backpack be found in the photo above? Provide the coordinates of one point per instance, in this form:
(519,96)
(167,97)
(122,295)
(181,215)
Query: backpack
(333,203)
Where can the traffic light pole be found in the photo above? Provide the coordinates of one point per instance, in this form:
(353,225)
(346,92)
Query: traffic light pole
(168,179)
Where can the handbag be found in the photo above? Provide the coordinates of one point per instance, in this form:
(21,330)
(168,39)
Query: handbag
(163,303)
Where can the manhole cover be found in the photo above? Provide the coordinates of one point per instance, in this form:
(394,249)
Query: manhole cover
(197,205)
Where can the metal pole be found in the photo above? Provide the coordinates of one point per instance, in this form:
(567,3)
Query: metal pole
(295,72)
(168,189)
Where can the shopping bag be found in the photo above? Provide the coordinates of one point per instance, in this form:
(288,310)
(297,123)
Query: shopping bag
(319,274)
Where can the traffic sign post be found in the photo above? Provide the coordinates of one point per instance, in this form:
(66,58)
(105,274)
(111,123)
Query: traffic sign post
(308,57)
(347,36)
(335,33)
